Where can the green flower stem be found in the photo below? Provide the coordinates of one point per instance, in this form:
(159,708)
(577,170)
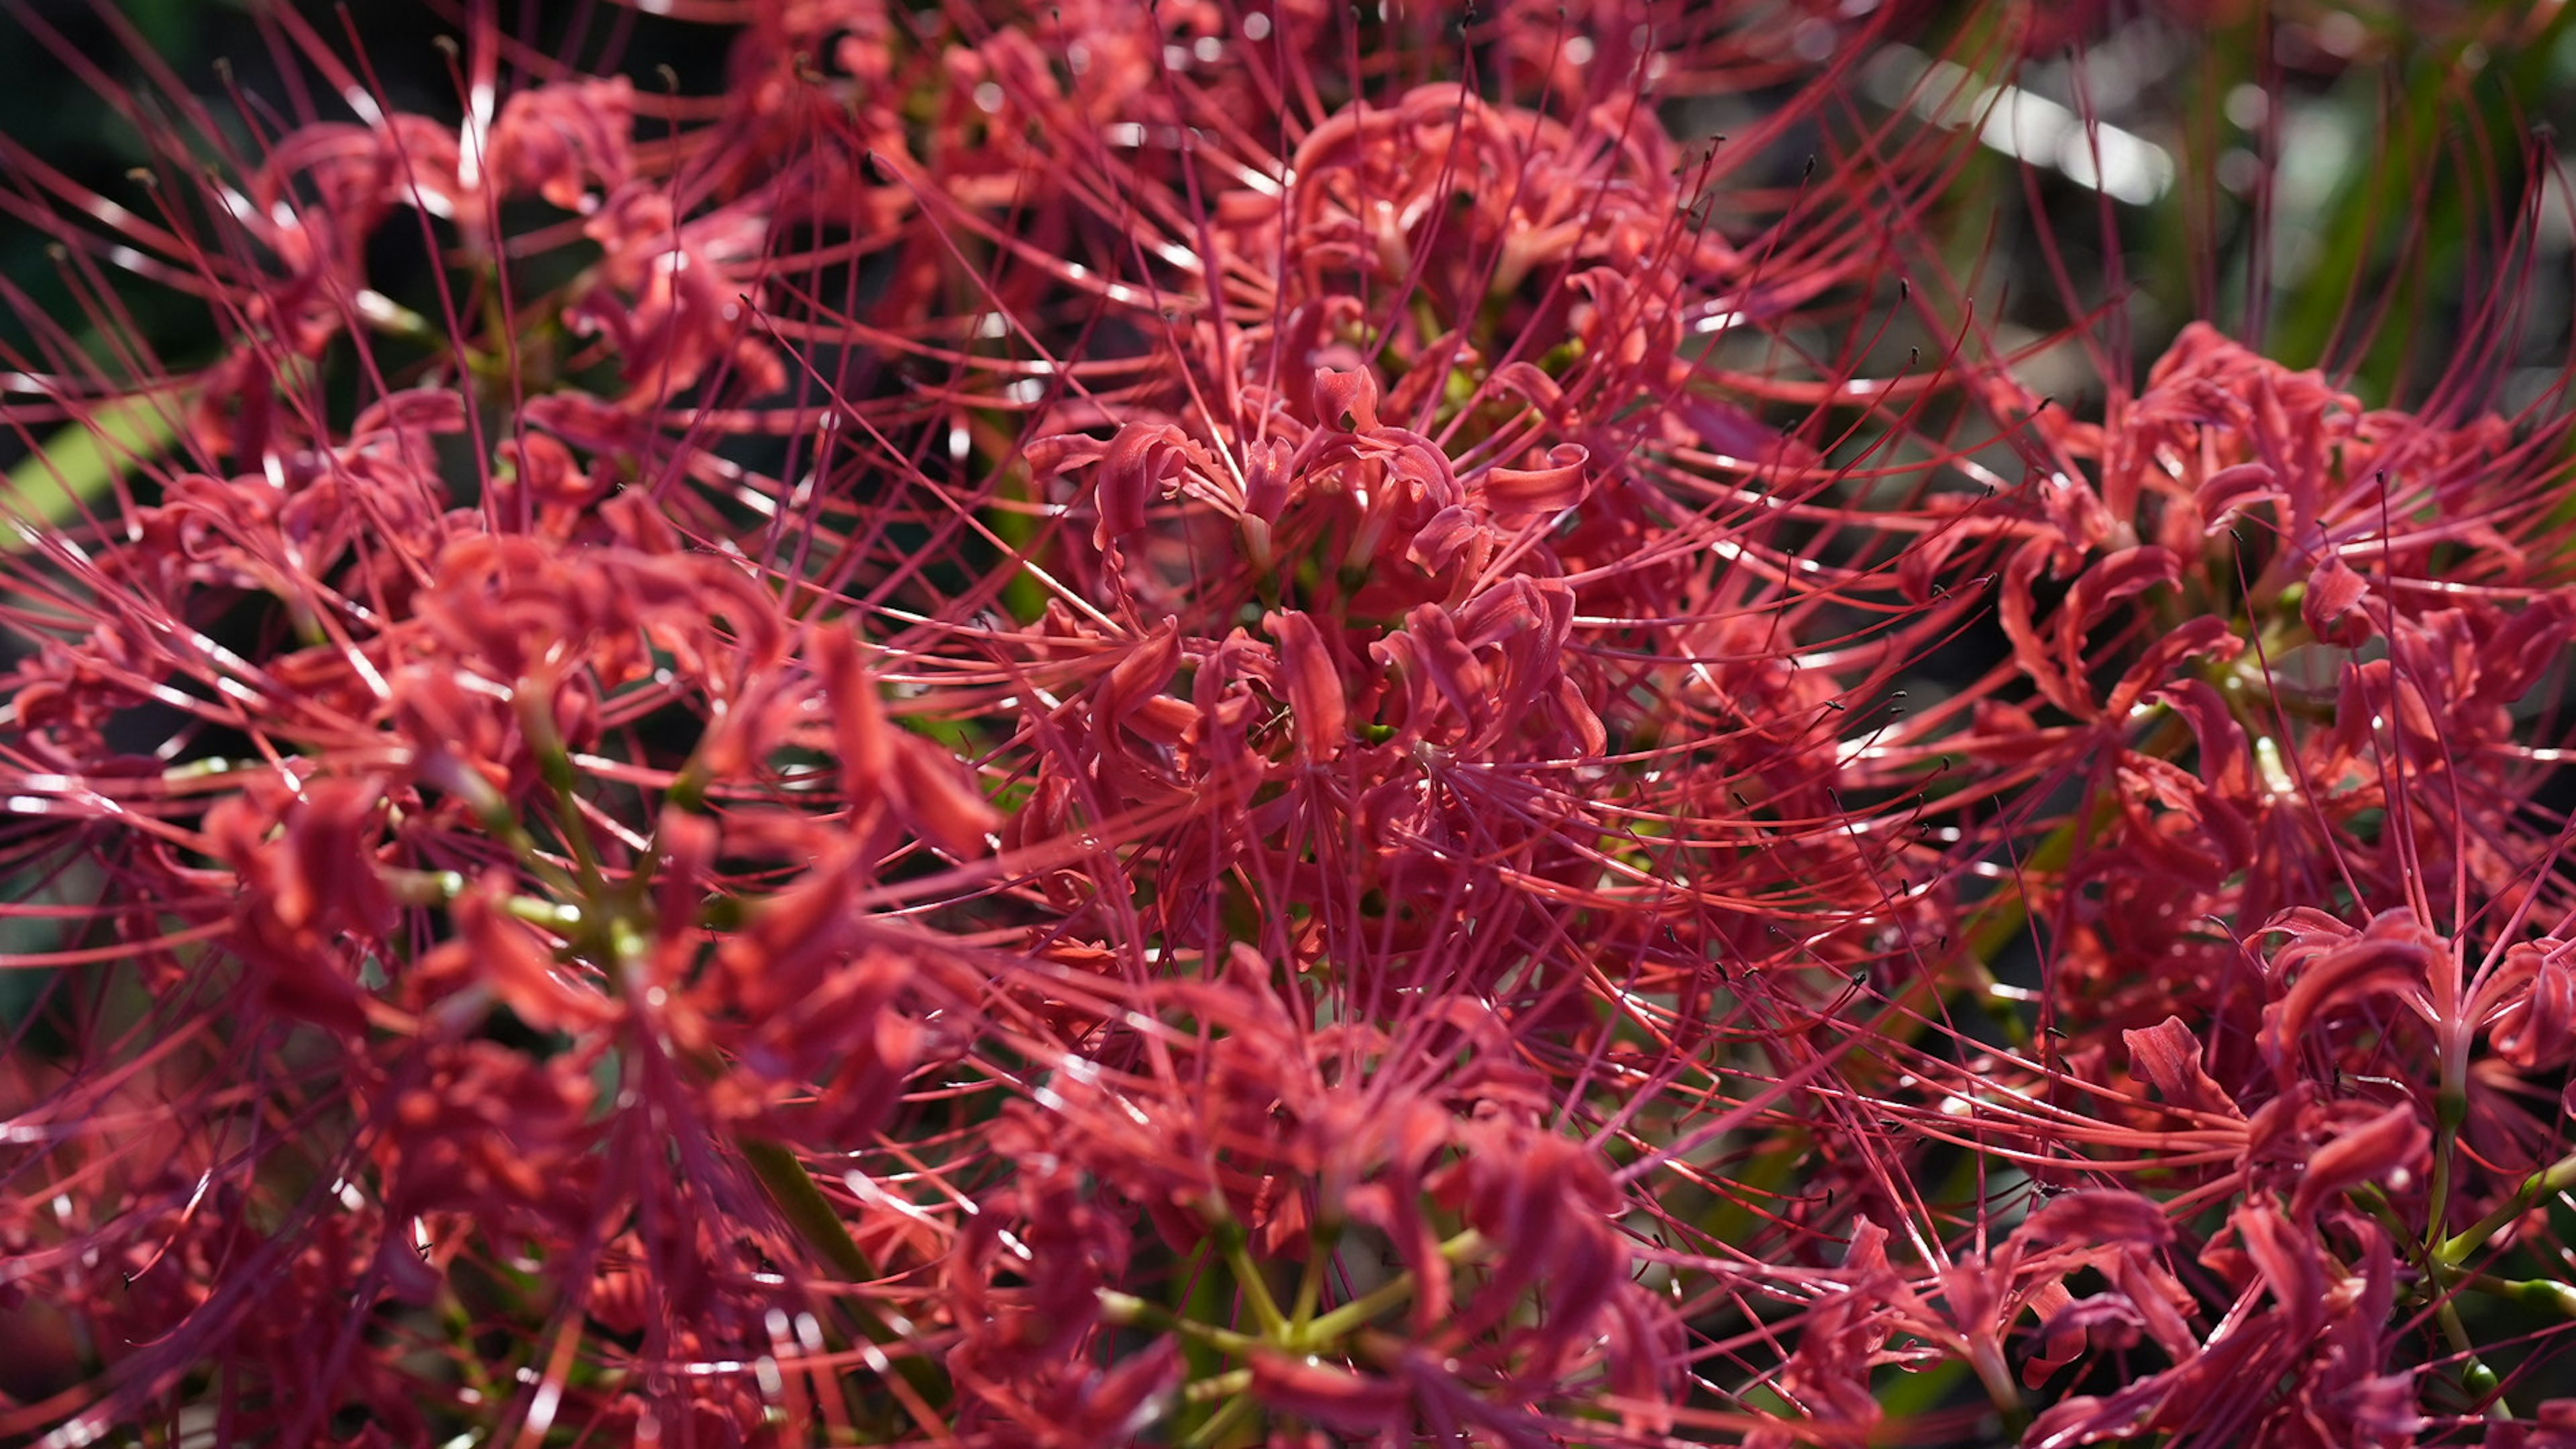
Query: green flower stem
(805,1208)
(1203,1294)
(2479,1380)
(2440,1279)
(1231,1242)
(809,1214)
(554,765)
(1320,1245)
(1236,1413)
(493,811)
(1234,1382)
(1128,1310)
(2543,1293)
(2450,1109)
(2555,1178)
(1307,1333)
(1330,1327)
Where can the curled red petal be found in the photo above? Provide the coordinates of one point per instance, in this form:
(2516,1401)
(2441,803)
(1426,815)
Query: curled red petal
(2536,1026)
(1314,686)
(2331,606)
(1561,484)
(1143,461)
(939,798)
(1347,399)
(2098,1217)
(2224,493)
(2387,1149)
(2366,966)
(2168,1055)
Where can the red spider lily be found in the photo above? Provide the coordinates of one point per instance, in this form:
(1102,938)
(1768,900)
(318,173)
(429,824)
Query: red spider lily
(1180,723)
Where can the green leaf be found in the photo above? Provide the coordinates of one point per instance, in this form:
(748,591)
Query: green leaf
(73,469)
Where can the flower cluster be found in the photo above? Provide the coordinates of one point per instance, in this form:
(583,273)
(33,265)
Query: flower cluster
(1225,724)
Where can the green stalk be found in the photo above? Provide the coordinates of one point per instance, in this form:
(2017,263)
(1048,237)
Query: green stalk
(2556,1178)
(809,1214)
(1399,1289)
(1130,1310)
(1231,1242)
